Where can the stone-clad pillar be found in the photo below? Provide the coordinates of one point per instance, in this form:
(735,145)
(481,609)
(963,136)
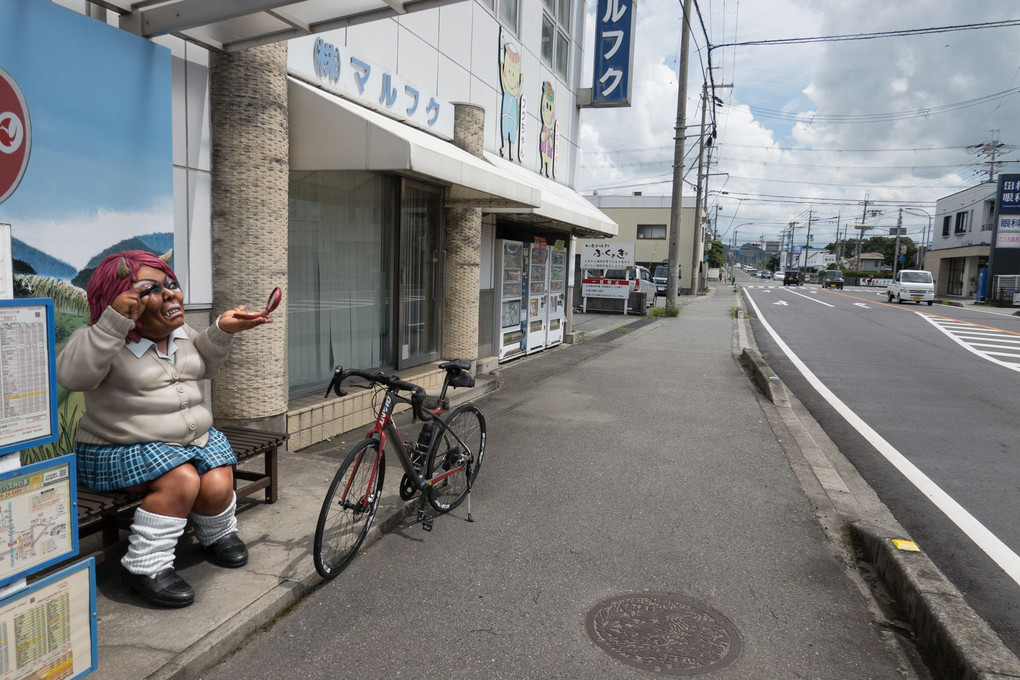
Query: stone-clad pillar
(463,243)
(250,175)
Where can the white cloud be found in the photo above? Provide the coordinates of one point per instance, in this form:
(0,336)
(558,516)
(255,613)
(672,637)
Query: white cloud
(886,118)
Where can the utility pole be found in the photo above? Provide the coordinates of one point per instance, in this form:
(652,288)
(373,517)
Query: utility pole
(807,242)
(699,238)
(860,232)
(672,282)
(789,247)
(896,250)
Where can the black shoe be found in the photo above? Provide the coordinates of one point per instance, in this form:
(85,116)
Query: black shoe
(166,588)
(228,552)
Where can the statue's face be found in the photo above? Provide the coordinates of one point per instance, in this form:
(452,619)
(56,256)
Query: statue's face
(164,309)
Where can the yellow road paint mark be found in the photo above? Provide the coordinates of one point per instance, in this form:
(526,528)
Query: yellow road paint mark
(909,546)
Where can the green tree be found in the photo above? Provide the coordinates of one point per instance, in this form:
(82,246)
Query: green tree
(715,254)
(773,263)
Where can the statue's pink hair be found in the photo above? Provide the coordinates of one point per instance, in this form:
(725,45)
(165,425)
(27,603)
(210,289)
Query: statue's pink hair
(105,284)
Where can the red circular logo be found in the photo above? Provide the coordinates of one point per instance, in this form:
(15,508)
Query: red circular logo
(15,135)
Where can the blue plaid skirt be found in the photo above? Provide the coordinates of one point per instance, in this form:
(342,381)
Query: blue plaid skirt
(109,467)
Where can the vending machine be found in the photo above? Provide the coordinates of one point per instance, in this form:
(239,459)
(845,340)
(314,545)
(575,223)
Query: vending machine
(538,296)
(557,313)
(512,324)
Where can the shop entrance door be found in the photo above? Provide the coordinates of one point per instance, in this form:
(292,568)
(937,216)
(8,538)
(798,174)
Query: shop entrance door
(419,290)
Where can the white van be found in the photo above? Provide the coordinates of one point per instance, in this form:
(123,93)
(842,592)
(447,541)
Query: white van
(912,284)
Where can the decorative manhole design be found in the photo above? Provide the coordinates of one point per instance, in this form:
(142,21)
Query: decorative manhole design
(611,335)
(663,633)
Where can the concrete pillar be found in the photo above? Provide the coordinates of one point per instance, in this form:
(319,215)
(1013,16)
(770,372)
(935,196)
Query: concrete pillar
(250,175)
(463,241)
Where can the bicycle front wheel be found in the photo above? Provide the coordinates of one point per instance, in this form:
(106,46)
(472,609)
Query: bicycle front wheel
(452,457)
(349,508)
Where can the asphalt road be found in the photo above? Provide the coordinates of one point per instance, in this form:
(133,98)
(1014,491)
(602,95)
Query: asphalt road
(937,385)
(645,464)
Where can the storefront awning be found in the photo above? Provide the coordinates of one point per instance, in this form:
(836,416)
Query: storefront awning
(229,26)
(561,206)
(330,133)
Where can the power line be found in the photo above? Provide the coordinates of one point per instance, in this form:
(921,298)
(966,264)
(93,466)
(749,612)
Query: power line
(871,36)
(881,117)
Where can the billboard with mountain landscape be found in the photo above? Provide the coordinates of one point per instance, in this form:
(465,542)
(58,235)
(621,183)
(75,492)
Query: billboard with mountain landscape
(98,176)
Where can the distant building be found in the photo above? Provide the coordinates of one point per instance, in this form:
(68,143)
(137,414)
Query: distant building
(644,221)
(961,239)
(867,262)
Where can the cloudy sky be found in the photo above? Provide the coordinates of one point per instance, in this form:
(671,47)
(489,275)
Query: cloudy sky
(815,129)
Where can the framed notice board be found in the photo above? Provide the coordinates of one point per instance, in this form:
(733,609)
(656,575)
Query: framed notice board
(48,629)
(38,517)
(28,374)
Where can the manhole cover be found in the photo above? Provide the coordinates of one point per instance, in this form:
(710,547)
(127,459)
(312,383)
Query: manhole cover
(663,633)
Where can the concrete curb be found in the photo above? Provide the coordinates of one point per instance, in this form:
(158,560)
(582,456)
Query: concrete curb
(951,638)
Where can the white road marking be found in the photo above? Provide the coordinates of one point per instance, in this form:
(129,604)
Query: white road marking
(861,305)
(1007,560)
(949,328)
(806,297)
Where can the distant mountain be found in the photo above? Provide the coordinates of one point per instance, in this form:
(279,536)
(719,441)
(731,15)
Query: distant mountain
(43,264)
(156,242)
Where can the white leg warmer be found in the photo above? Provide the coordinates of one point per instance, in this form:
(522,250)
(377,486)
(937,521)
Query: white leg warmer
(211,528)
(152,542)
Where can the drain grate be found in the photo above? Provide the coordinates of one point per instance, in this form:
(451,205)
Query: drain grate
(609,336)
(663,633)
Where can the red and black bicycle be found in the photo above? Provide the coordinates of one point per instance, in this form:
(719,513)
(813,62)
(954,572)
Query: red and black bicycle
(441,464)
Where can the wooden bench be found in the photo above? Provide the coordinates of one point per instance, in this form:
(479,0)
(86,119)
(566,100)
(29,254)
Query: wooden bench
(110,512)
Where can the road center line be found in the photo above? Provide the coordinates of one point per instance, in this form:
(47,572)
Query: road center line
(1008,560)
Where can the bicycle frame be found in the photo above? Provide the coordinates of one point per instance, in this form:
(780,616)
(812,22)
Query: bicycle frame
(385,430)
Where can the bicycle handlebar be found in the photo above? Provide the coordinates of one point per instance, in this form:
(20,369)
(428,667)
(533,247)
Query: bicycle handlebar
(391,381)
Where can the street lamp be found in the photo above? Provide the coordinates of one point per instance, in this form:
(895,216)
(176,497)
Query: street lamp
(924,239)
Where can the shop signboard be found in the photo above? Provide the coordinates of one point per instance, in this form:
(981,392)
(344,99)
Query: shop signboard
(606,255)
(615,289)
(614,52)
(324,60)
(1004,255)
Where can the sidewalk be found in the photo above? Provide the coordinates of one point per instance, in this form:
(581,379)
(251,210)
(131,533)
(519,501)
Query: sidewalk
(751,543)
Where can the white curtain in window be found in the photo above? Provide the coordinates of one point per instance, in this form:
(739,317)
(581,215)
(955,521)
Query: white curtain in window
(341,226)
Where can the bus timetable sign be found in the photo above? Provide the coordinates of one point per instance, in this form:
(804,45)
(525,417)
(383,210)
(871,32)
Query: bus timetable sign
(15,135)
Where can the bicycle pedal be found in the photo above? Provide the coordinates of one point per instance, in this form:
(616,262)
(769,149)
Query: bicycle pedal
(426,522)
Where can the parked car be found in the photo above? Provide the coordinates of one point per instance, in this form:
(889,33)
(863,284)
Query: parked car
(792,277)
(832,278)
(661,276)
(640,281)
(912,284)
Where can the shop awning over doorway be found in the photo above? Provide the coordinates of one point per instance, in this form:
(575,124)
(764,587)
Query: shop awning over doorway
(561,207)
(328,132)
(232,25)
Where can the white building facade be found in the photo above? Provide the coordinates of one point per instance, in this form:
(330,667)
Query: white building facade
(374,169)
(961,240)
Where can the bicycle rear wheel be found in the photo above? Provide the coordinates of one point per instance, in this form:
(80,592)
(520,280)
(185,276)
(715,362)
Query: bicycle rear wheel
(349,508)
(455,458)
